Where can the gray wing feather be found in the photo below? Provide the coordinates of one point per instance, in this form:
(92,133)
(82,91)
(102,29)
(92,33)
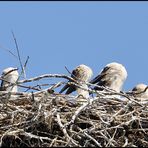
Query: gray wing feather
(71,89)
(64,88)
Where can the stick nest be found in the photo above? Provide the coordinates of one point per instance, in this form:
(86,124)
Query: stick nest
(48,119)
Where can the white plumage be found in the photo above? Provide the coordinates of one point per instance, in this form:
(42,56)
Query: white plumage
(10,75)
(141,91)
(113,76)
(82,74)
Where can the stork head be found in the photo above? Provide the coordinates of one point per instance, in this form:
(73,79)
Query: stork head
(141,90)
(9,75)
(83,73)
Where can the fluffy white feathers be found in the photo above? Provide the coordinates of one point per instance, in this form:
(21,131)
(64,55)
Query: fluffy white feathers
(113,75)
(9,75)
(141,91)
(82,74)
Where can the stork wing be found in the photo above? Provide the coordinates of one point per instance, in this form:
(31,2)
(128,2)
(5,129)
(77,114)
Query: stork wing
(101,76)
(70,88)
(64,88)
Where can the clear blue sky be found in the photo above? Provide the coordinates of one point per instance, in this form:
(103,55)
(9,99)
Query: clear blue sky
(58,34)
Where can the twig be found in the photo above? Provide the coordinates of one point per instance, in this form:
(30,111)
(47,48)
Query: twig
(46,76)
(62,127)
(12,84)
(19,57)
(68,70)
(94,140)
(26,62)
(126,142)
(8,51)
(72,75)
(24,67)
(112,137)
(68,138)
(77,112)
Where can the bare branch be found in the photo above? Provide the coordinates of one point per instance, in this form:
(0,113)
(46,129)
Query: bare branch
(18,53)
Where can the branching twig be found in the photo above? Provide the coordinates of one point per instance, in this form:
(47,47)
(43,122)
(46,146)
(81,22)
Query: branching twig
(19,57)
(46,76)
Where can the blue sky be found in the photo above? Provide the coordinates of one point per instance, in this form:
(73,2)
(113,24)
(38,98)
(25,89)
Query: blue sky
(58,34)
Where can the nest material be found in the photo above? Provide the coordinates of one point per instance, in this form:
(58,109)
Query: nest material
(47,119)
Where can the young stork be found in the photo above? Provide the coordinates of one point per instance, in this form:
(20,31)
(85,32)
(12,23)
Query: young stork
(82,74)
(113,76)
(141,92)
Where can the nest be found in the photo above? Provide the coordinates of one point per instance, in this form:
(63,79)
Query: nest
(48,119)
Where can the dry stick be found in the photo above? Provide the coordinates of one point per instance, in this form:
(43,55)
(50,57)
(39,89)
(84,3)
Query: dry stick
(72,75)
(46,76)
(11,84)
(56,140)
(112,137)
(68,70)
(21,131)
(94,140)
(146,129)
(38,87)
(90,137)
(128,122)
(15,125)
(120,111)
(141,126)
(24,67)
(18,54)
(13,93)
(8,51)
(126,142)
(105,137)
(28,94)
(29,87)
(34,79)
(55,85)
(19,76)
(124,95)
(38,112)
(62,127)
(53,141)
(56,76)
(35,136)
(112,92)
(68,138)
(26,62)
(47,89)
(17,109)
(77,112)
(104,121)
